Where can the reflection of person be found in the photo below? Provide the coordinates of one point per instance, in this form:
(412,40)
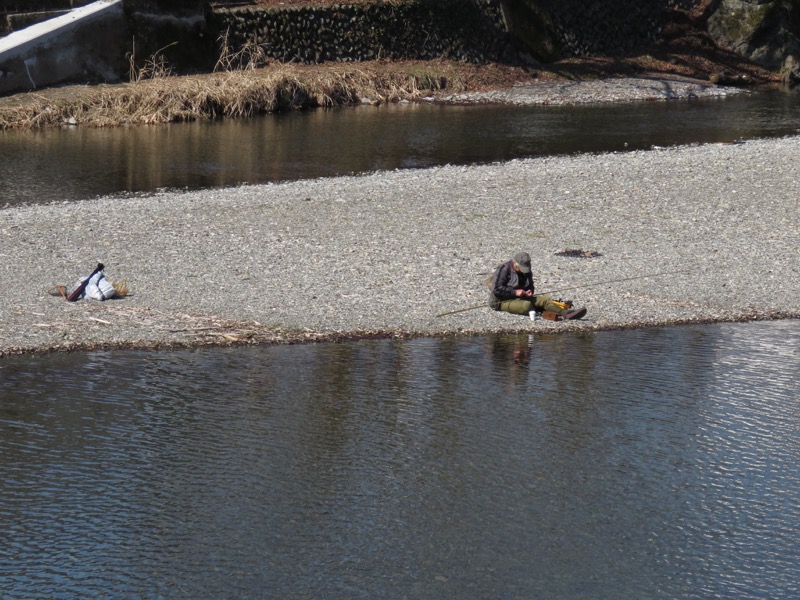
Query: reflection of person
(511,350)
(513,292)
(522,351)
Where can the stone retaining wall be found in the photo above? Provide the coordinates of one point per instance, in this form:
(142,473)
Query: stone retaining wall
(189,34)
(468,30)
(471,30)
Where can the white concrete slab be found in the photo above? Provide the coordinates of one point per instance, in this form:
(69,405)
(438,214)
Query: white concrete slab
(17,40)
(84,44)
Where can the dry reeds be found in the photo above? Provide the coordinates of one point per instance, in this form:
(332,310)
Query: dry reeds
(251,56)
(172,99)
(154,96)
(154,67)
(243,84)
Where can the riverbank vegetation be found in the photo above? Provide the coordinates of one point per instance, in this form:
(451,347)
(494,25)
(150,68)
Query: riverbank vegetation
(162,98)
(243,88)
(245,93)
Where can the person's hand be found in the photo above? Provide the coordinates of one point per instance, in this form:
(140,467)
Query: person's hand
(523,293)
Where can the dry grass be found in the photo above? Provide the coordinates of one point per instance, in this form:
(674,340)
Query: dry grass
(243,85)
(245,92)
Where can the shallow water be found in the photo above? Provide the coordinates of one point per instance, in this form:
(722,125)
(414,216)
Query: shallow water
(69,164)
(658,463)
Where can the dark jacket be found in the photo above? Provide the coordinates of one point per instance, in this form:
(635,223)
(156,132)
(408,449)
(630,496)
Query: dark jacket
(505,281)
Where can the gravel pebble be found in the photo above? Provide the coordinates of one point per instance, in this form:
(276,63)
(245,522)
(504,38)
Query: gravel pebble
(384,253)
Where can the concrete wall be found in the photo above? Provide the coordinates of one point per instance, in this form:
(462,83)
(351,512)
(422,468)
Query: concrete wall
(16,14)
(86,45)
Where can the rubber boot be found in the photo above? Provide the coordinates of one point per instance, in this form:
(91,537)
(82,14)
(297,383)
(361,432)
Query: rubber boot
(575,313)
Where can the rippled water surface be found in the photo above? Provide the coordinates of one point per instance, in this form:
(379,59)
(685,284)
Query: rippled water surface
(658,463)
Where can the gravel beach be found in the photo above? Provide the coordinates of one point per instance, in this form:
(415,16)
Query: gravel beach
(383,254)
(600,91)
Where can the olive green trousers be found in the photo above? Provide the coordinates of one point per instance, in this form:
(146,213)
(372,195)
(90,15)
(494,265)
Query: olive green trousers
(539,303)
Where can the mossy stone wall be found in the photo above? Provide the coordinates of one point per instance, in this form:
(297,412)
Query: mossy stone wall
(764,31)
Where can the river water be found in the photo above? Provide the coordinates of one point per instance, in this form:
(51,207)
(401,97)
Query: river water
(76,163)
(657,463)
(660,463)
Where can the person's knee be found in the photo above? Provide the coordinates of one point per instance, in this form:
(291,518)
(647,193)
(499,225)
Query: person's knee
(517,307)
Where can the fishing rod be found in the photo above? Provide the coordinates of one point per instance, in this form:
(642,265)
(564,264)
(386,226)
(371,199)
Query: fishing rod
(576,287)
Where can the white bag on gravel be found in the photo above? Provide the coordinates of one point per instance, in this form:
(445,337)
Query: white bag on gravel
(98,288)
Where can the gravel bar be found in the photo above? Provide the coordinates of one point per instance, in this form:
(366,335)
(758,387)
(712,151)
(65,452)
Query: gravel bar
(599,91)
(381,255)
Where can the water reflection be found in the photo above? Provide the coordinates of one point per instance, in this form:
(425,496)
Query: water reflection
(45,166)
(656,463)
